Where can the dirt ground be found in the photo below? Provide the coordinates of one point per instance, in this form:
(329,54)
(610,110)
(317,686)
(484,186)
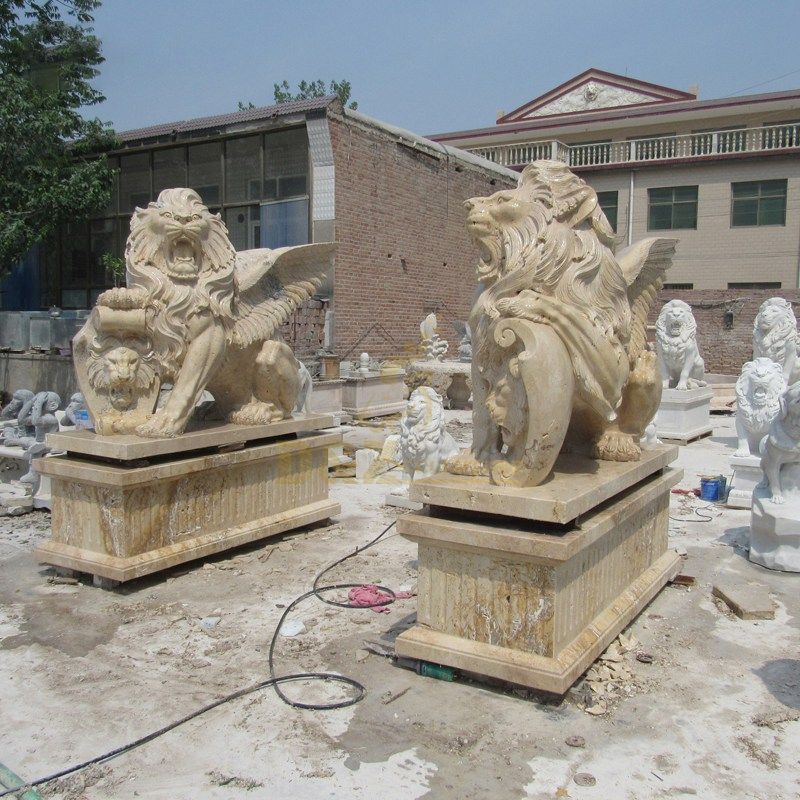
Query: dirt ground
(715,715)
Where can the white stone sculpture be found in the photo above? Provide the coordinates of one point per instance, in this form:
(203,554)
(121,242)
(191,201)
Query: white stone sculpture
(781,447)
(363,365)
(44,421)
(464,341)
(435,346)
(73,410)
(302,404)
(758,392)
(198,315)
(775,336)
(589,97)
(11,411)
(22,434)
(676,344)
(424,442)
(558,330)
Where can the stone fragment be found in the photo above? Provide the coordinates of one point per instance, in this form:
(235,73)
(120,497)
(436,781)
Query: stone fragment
(584,779)
(746,600)
(364,459)
(575,741)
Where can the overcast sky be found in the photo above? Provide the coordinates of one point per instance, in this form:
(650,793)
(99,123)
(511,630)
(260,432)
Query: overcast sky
(429,66)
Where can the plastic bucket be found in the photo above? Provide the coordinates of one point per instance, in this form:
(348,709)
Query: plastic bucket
(712,488)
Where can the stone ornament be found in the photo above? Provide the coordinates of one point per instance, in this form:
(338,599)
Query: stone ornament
(196,314)
(12,410)
(424,442)
(781,448)
(758,392)
(44,420)
(676,345)
(435,346)
(775,336)
(591,96)
(464,341)
(72,411)
(558,329)
(23,434)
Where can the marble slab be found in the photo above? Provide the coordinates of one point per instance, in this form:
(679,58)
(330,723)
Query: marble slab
(578,484)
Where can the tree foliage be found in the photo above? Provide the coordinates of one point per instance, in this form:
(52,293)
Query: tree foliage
(49,168)
(306,90)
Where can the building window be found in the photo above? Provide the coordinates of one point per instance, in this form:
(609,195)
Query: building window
(608,202)
(672,208)
(756,285)
(675,286)
(758,203)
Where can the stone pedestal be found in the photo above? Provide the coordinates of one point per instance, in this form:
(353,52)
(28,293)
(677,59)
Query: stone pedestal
(326,398)
(123,507)
(451,379)
(747,474)
(374,395)
(533,597)
(684,415)
(775,531)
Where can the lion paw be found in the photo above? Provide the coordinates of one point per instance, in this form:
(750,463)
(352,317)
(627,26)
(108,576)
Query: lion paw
(160,426)
(256,413)
(122,299)
(465,463)
(617,446)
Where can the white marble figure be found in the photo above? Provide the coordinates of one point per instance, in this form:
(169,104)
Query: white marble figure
(758,392)
(775,336)
(302,404)
(676,345)
(464,341)
(424,442)
(558,330)
(781,447)
(23,434)
(76,404)
(363,365)
(11,411)
(435,346)
(44,421)
(199,315)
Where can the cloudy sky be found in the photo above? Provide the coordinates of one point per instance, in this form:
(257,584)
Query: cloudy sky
(429,66)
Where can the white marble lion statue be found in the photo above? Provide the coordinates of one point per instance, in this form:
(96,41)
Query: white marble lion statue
(758,392)
(775,336)
(676,344)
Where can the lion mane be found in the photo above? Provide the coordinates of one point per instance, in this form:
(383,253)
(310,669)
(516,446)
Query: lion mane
(772,343)
(416,433)
(545,249)
(676,344)
(765,371)
(148,258)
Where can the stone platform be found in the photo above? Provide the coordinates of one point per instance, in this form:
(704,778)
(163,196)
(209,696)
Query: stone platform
(374,395)
(120,521)
(747,474)
(775,531)
(684,416)
(451,379)
(535,602)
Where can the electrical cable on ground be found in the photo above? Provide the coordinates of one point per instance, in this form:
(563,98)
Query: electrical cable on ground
(274,680)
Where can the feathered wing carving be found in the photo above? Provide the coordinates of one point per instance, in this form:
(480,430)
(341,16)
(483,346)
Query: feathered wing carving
(644,265)
(272,284)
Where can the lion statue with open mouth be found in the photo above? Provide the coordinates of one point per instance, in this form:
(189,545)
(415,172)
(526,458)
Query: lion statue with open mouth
(558,330)
(198,315)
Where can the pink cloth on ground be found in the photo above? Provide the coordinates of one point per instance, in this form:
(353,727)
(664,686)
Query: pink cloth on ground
(369,594)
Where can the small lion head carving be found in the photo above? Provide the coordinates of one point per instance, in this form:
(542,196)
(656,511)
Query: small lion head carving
(676,323)
(423,416)
(758,392)
(179,254)
(774,328)
(120,371)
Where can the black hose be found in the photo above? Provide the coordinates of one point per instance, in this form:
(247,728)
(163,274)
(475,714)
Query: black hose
(274,680)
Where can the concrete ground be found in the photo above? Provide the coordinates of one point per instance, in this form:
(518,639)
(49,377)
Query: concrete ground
(716,715)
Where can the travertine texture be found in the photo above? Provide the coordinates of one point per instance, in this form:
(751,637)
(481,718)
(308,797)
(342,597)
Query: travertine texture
(424,442)
(758,392)
(684,415)
(556,301)
(121,522)
(676,344)
(514,601)
(775,336)
(198,315)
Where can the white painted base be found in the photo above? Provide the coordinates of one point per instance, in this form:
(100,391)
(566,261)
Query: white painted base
(775,532)
(684,415)
(747,475)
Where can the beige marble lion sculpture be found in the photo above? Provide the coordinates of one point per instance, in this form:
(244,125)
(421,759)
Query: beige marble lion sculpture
(558,330)
(196,314)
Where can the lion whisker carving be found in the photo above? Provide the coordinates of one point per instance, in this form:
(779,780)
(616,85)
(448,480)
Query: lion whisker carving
(198,315)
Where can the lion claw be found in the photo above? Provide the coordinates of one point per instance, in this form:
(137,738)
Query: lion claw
(159,426)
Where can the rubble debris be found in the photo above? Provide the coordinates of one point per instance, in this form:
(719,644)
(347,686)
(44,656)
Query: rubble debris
(584,779)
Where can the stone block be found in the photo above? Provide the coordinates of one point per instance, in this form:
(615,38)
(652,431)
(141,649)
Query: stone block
(373,395)
(747,474)
(535,603)
(684,415)
(746,600)
(775,532)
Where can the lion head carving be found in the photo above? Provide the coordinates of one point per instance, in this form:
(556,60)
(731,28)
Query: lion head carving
(424,442)
(774,330)
(119,370)
(180,255)
(758,392)
(675,325)
(549,234)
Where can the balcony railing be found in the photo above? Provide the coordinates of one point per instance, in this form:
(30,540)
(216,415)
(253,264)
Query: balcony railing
(659,148)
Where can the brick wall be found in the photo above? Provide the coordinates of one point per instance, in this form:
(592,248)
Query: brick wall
(724,350)
(305,330)
(404,249)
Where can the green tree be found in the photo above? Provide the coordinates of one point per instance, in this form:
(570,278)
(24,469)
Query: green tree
(50,171)
(306,90)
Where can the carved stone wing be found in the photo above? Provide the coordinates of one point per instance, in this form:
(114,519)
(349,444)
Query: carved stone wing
(644,265)
(272,284)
